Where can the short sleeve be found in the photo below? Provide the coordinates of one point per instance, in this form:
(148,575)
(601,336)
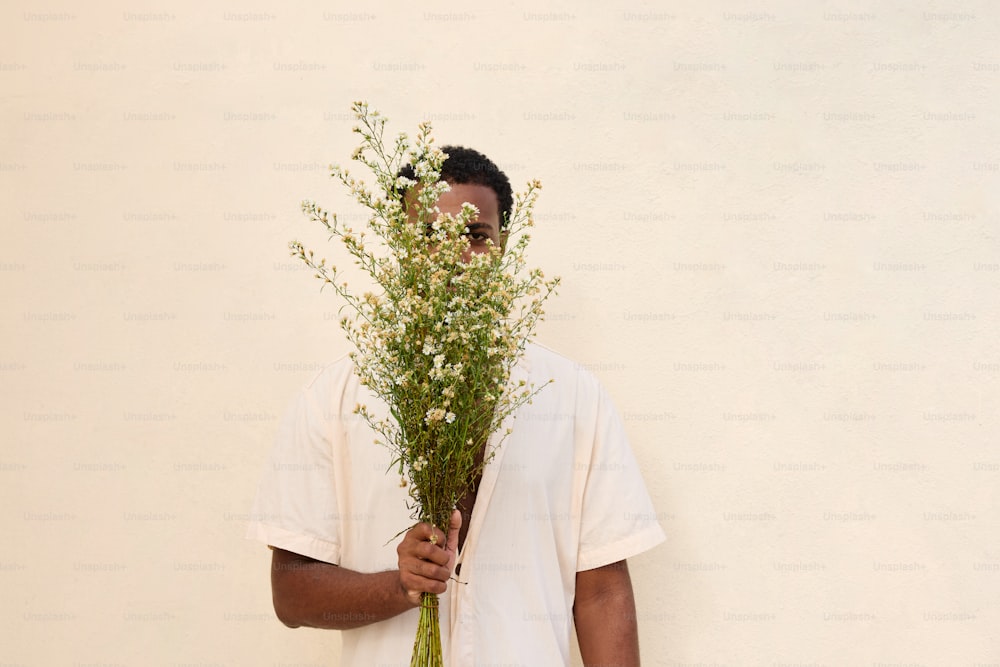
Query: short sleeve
(618,520)
(296,507)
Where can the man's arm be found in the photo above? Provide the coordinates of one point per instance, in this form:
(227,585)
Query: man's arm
(604,613)
(311,593)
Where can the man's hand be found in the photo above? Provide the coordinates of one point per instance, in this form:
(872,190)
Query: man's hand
(427,558)
(315,594)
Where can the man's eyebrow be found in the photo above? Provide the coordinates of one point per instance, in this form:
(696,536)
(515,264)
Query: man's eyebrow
(479,225)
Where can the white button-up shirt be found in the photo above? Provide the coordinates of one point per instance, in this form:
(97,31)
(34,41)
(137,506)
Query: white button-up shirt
(562,493)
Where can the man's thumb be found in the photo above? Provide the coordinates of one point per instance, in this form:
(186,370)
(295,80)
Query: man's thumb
(453,526)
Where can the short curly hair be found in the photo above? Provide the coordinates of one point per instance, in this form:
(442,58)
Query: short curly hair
(465,166)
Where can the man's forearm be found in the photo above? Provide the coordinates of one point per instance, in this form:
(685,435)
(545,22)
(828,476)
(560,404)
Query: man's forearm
(604,614)
(315,594)
(320,595)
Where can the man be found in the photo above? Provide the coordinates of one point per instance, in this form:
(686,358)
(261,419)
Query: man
(540,541)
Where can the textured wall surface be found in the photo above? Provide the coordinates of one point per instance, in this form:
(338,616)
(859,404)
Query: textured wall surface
(777,227)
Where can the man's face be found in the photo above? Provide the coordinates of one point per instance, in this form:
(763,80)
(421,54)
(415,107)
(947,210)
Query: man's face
(485,227)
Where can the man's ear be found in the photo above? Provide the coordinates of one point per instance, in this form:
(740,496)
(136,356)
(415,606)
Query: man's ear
(409,200)
(503,240)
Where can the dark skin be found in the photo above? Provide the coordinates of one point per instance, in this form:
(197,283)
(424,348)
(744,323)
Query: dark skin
(316,594)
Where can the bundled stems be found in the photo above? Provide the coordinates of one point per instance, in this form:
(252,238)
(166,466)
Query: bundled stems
(438,339)
(427,644)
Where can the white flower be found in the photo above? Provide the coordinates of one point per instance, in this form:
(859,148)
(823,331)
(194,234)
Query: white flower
(450,417)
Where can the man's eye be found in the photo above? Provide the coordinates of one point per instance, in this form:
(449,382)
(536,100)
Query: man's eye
(477,237)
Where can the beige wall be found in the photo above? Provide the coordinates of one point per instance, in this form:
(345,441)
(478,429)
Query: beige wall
(777,227)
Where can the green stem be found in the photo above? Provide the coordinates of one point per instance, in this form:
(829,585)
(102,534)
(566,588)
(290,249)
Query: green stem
(427,645)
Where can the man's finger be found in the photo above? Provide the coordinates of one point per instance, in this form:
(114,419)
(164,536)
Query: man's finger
(453,527)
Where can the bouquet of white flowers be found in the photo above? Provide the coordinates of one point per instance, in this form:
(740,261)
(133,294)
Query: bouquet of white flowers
(438,341)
